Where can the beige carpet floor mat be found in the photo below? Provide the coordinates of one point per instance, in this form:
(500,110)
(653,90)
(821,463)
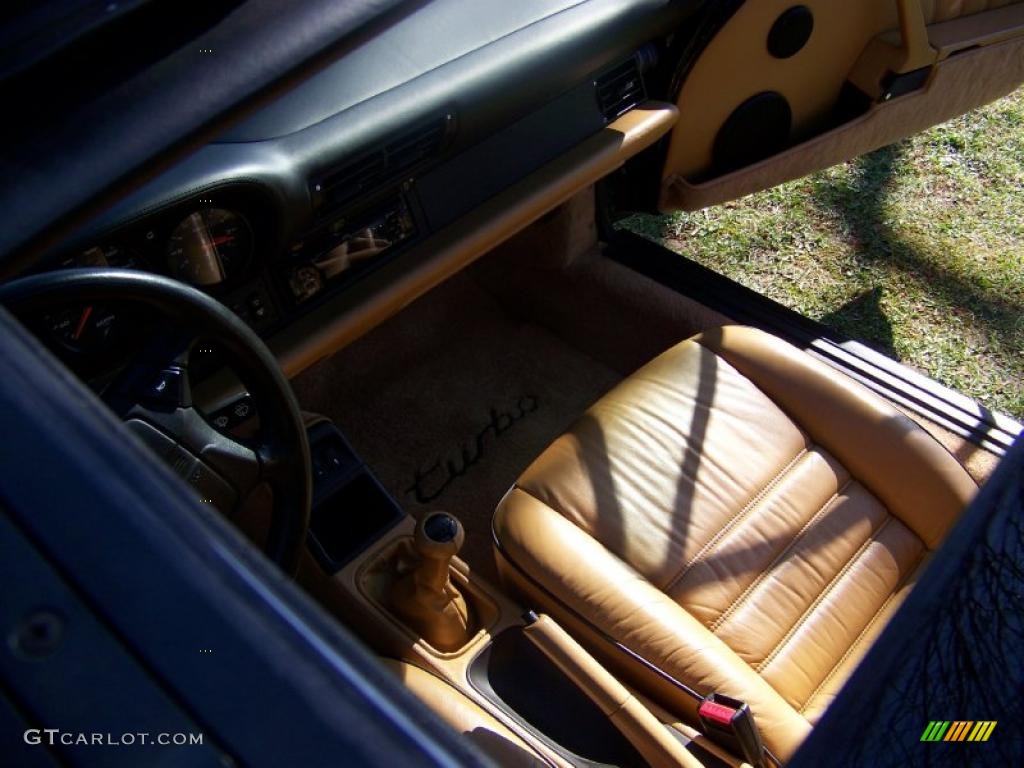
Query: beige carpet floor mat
(449,402)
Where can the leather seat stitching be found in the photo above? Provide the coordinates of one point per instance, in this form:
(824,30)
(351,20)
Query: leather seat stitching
(736,519)
(845,656)
(824,594)
(902,583)
(717,624)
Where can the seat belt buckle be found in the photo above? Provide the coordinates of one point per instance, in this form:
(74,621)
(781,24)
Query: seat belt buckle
(730,722)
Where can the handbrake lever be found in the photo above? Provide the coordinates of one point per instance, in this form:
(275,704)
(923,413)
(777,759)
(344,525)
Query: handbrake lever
(648,735)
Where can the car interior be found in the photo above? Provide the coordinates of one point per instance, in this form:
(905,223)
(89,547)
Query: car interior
(590,503)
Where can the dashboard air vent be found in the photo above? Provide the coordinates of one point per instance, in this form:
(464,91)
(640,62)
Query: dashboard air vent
(401,155)
(620,89)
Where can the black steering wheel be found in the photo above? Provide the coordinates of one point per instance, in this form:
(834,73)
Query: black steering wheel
(152,395)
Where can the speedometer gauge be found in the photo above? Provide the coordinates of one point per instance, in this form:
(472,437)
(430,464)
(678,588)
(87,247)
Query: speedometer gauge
(210,247)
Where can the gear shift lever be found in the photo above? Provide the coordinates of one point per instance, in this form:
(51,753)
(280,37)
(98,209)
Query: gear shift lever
(425,597)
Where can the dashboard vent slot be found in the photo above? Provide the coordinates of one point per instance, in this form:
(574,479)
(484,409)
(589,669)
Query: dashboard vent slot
(398,157)
(357,177)
(620,89)
(406,152)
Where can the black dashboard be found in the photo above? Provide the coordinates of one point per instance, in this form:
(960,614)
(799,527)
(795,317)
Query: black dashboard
(378,151)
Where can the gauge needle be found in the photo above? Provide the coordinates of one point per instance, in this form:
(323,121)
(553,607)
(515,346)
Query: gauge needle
(80,328)
(222,239)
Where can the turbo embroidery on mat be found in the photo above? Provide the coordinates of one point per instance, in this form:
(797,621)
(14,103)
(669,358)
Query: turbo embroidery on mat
(430,483)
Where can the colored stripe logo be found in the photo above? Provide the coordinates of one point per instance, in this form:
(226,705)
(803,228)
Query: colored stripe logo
(958,730)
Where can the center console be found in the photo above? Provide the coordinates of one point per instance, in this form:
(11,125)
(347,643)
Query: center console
(400,584)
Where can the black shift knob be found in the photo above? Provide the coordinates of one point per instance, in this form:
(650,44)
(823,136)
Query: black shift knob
(438,536)
(441,527)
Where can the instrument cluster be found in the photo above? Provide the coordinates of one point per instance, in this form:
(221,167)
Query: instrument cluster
(232,245)
(219,243)
(208,246)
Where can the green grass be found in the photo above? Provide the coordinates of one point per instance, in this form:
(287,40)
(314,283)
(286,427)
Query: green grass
(916,249)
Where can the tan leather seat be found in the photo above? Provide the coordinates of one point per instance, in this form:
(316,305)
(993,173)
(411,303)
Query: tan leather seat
(738,514)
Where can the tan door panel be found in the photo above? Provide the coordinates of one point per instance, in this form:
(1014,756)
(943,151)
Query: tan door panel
(980,29)
(942,10)
(959,84)
(851,39)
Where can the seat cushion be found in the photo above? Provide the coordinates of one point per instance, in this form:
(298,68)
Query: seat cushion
(738,514)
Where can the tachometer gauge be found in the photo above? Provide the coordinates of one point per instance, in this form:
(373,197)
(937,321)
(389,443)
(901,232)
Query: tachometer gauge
(209,247)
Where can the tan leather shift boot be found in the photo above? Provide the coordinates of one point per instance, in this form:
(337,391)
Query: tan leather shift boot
(425,597)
